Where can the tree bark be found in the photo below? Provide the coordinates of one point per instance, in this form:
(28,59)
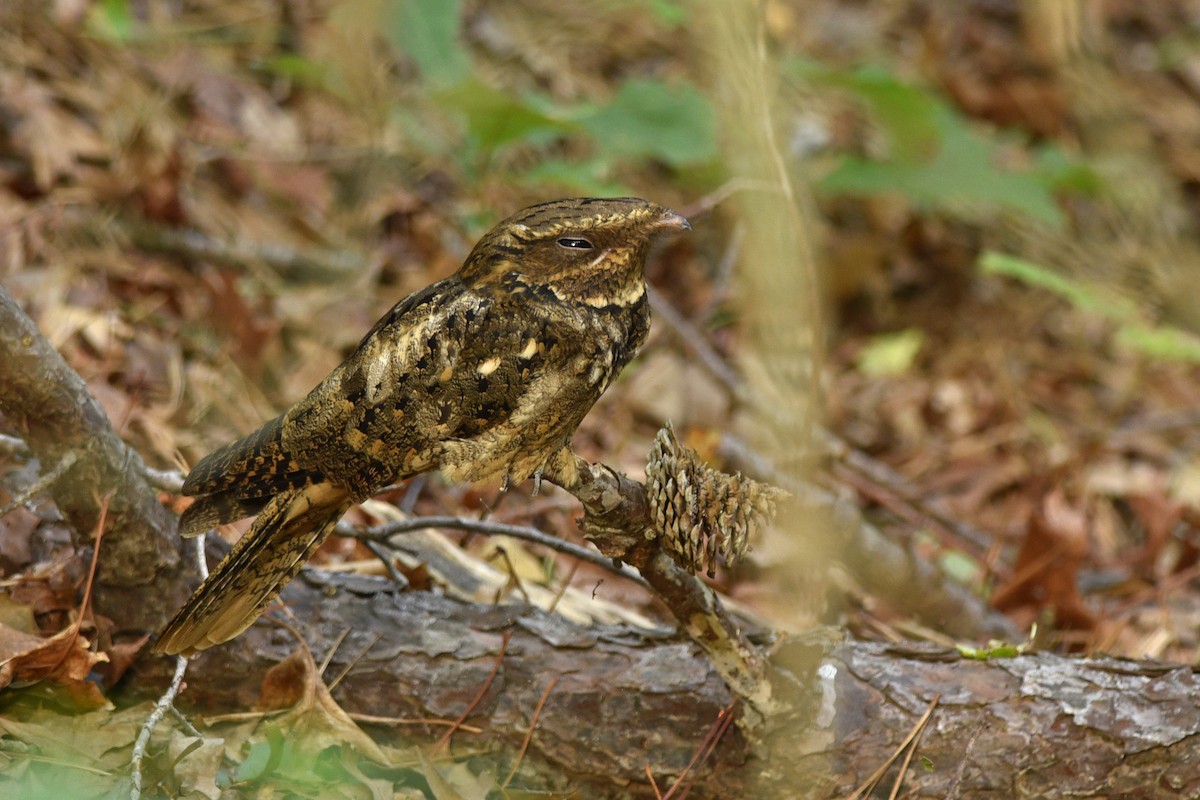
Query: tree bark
(62,423)
(1032,726)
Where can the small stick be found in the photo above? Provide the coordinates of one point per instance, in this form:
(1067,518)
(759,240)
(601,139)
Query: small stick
(529,733)
(445,740)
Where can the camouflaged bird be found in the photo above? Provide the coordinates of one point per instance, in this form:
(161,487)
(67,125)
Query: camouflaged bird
(483,376)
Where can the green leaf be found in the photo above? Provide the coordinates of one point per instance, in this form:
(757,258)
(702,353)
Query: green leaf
(936,158)
(964,171)
(890,353)
(303,70)
(648,119)
(427,31)
(112,19)
(908,114)
(993,650)
(495,119)
(1163,342)
(262,759)
(959,566)
(670,12)
(1118,309)
(588,177)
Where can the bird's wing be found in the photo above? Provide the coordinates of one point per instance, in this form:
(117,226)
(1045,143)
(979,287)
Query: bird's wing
(238,479)
(380,415)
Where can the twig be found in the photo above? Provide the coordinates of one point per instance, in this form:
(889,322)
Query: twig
(728,189)
(695,343)
(653,783)
(333,648)
(562,589)
(388,562)
(169,480)
(372,719)
(513,578)
(715,732)
(445,740)
(529,733)
(913,735)
(184,722)
(167,701)
(42,484)
(13,446)
(201,557)
(160,708)
(922,724)
(881,474)
(354,661)
(384,532)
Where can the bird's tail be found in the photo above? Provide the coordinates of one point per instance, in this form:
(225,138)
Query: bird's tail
(285,534)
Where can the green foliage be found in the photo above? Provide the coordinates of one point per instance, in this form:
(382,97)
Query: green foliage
(890,353)
(650,119)
(997,649)
(646,119)
(496,119)
(427,30)
(1164,342)
(938,160)
(112,19)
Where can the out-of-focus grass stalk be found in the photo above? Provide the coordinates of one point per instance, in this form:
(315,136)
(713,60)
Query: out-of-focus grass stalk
(779,293)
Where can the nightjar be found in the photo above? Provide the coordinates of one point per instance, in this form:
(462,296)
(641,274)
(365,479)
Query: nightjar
(483,376)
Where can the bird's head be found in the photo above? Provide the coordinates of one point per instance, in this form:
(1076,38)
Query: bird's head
(587,250)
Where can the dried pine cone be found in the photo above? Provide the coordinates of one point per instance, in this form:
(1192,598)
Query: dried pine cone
(700,512)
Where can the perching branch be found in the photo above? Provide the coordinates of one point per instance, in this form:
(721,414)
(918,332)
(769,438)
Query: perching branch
(617,520)
(385,532)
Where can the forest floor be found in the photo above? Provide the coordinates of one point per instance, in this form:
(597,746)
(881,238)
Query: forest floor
(1034,443)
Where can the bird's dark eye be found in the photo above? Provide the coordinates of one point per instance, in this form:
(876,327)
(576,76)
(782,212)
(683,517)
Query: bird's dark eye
(575,243)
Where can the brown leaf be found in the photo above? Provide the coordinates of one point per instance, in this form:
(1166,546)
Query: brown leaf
(1159,515)
(49,587)
(1047,568)
(314,715)
(64,657)
(120,658)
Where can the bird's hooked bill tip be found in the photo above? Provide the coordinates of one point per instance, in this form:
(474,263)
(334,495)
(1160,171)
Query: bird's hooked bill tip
(670,219)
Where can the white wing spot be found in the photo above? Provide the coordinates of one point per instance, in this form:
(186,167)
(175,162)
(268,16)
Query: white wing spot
(489,366)
(531,348)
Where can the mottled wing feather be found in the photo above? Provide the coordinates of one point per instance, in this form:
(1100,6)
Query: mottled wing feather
(285,535)
(238,479)
(238,462)
(380,416)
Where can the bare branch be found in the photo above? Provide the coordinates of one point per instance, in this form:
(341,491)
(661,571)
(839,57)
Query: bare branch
(383,533)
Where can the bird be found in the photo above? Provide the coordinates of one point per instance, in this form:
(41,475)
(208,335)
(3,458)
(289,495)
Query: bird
(483,376)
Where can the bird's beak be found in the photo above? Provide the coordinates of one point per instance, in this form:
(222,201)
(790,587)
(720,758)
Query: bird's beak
(670,220)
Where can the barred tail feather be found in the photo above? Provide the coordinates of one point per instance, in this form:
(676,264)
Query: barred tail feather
(286,533)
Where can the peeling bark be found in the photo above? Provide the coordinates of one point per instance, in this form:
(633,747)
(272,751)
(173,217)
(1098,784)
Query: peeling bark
(1034,726)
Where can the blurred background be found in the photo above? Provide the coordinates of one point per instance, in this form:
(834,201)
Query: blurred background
(944,261)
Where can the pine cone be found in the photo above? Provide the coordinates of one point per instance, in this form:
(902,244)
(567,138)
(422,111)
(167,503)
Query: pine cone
(702,513)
